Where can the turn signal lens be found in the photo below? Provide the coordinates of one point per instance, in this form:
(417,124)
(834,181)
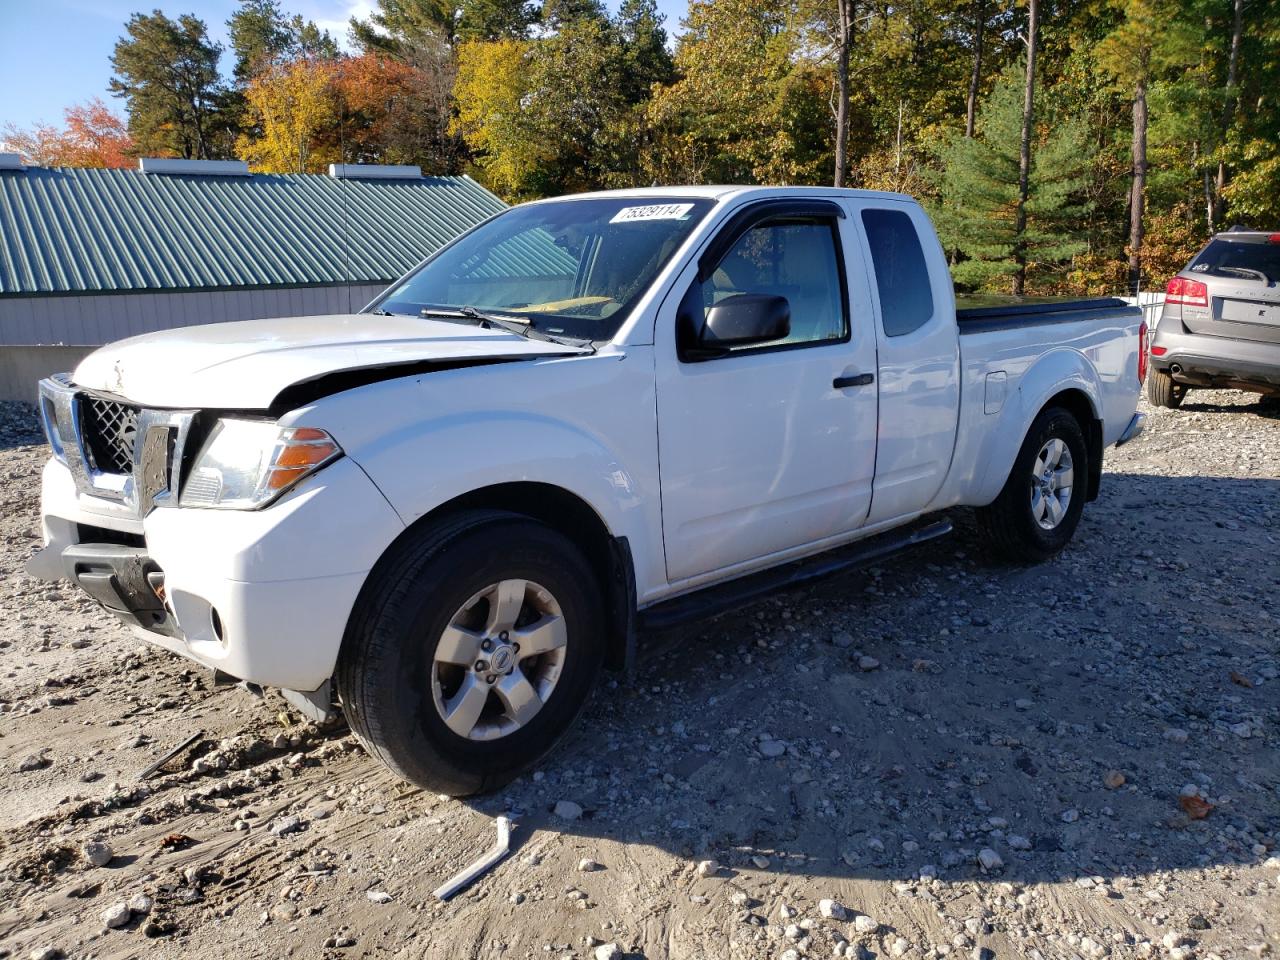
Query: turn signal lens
(303,450)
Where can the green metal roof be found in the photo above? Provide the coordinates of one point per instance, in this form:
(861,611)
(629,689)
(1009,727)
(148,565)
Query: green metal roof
(71,230)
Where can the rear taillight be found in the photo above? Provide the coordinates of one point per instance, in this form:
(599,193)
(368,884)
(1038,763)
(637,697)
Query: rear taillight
(1142,353)
(1159,351)
(1274,238)
(1192,293)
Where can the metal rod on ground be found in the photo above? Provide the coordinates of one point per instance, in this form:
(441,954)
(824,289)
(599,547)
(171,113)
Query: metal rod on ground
(171,754)
(481,866)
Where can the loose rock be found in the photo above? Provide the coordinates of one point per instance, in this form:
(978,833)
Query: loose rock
(98,853)
(567,810)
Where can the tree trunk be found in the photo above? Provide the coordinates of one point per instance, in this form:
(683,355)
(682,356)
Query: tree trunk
(1137,198)
(979,31)
(845,38)
(1229,109)
(897,148)
(1209,205)
(1024,153)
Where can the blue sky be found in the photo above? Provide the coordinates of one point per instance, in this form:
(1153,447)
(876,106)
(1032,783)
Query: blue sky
(55,53)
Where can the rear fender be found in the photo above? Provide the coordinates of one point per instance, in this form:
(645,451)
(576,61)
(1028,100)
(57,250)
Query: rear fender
(1059,371)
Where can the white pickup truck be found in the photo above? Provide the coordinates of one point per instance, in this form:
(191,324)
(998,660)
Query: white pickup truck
(585,417)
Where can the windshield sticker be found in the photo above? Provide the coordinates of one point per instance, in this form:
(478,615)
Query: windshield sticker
(655,211)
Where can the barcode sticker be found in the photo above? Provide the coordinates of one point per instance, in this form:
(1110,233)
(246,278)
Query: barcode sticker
(654,211)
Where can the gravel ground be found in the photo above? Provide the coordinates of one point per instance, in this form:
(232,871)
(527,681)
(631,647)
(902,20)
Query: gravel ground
(936,757)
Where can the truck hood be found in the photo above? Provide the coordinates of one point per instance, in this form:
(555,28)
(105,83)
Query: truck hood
(245,365)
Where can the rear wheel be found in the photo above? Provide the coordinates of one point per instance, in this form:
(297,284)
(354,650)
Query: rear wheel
(1164,391)
(474,651)
(1038,510)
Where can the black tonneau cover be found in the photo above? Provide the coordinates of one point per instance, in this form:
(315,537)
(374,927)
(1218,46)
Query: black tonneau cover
(993,313)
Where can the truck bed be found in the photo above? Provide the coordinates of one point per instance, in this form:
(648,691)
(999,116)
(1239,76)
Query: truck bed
(983,314)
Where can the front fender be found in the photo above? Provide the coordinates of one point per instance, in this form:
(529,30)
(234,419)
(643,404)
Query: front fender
(426,440)
(498,446)
(1055,372)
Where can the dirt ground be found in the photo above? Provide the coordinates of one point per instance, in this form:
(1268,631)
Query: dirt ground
(1077,759)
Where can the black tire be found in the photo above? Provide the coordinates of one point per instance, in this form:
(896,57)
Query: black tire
(1008,524)
(384,675)
(1164,391)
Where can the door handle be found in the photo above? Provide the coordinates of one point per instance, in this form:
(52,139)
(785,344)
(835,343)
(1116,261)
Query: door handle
(854,380)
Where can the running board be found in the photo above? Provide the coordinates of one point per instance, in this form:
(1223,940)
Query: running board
(712,601)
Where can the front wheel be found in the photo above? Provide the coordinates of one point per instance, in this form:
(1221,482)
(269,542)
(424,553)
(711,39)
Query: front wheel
(1038,510)
(473,651)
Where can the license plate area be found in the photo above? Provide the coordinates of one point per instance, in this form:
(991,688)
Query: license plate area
(1246,311)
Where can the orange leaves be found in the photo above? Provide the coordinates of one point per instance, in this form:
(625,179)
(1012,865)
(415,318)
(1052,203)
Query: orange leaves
(93,137)
(309,113)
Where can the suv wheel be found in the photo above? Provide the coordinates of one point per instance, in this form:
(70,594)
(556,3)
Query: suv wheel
(1038,510)
(1163,391)
(473,651)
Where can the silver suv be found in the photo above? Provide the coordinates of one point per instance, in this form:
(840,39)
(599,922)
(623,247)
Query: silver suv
(1221,321)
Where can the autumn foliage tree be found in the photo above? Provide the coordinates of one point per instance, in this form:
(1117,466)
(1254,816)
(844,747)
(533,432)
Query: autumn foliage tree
(393,111)
(1149,124)
(293,107)
(303,116)
(93,136)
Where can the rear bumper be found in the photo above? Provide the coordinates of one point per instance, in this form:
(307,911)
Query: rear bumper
(1212,361)
(1133,429)
(261,595)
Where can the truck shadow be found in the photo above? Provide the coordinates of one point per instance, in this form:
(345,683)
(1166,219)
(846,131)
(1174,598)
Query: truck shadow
(903,719)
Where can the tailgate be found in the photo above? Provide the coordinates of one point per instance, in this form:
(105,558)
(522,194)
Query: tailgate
(1242,313)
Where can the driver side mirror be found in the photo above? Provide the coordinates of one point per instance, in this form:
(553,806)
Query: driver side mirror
(737,321)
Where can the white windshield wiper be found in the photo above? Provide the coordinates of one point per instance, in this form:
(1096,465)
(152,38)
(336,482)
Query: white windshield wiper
(520,327)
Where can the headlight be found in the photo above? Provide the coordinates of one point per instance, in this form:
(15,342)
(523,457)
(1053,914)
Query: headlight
(246,464)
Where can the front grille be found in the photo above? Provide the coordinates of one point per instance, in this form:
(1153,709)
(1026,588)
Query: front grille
(109,430)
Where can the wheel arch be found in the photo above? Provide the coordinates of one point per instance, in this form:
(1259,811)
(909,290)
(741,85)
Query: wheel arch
(568,514)
(1072,391)
(1078,403)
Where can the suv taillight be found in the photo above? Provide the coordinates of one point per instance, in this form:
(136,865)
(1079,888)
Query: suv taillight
(1142,353)
(1192,293)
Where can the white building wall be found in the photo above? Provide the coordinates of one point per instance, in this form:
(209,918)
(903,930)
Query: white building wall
(102,318)
(44,335)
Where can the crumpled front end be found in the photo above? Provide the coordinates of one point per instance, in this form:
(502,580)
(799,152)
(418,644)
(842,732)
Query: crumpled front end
(262,594)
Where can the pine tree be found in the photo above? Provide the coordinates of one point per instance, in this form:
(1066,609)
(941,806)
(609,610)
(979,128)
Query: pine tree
(979,188)
(259,37)
(495,19)
(167,74)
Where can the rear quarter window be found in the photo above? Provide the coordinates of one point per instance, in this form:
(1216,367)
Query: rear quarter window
(902,276)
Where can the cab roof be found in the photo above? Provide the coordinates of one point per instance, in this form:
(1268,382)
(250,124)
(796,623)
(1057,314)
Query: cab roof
(720,192)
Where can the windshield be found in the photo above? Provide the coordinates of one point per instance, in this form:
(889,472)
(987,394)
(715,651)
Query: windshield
(1256,259)
(573,267)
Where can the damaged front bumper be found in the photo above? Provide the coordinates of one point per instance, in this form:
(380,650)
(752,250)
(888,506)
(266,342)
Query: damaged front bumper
(125,580)
(263,596)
